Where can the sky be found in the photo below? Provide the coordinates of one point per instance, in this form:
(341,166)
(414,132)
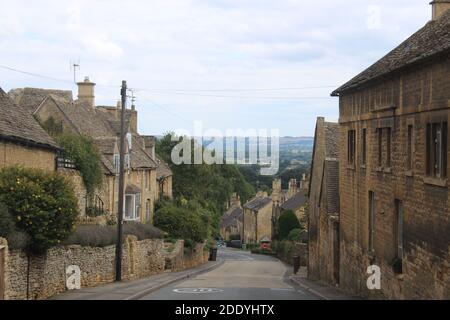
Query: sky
(231,64)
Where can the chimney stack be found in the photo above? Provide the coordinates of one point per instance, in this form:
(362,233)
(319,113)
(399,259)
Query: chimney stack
(439,8)
(86,92)
(292,188)
(276,191)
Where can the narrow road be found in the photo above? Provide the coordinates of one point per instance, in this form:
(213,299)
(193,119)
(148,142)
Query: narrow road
(242,276)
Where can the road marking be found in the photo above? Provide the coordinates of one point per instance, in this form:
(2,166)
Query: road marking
(197,290)
(282,289)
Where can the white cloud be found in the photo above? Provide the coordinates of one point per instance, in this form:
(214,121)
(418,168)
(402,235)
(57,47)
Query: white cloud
(196,44)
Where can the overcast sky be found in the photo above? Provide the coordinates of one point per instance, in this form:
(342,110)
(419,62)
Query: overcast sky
(206,60)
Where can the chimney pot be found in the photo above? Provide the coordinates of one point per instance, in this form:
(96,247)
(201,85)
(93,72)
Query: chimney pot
(86,92)
(439,7)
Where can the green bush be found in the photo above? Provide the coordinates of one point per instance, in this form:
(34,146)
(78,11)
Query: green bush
(295,235)
(7,224)
(82,151)
(42,204)
(103,236)
(287,222)
(16,239)
(181,222)
(94,212)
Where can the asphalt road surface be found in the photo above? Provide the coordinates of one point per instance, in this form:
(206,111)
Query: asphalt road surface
(242,276)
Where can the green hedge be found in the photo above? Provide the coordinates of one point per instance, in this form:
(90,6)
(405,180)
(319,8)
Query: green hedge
(287,222)
(103,236)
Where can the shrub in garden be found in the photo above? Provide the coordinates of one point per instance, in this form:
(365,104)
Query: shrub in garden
(16,239)
(181,223)
(104,236)
(287,222)
(295,235)
(42,204)
(7,224)
(82,151)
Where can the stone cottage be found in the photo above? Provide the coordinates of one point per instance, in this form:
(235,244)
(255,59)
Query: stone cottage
(231,225)
(394,203)
(102,123)
(22,140)
(258,219)
(323,226)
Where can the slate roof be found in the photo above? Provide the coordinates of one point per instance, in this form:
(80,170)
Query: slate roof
(431,40)
(31,98)
(257,203)
(332,133)
(17,125)
(163,170)
(232,216)
(98,123)
(295,203)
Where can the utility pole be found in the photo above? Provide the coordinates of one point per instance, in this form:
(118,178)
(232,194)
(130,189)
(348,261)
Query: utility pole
(120,216)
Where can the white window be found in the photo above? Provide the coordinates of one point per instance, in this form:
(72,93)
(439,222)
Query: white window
(127,162)
(146,179)
(117,162)
(132,207)
(147,210)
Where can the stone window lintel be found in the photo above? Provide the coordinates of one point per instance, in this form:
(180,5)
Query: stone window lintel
(439,182)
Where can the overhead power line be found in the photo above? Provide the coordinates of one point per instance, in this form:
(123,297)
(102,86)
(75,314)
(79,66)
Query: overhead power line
(196,92)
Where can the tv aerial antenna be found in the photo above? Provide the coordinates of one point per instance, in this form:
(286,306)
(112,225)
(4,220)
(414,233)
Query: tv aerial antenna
(133,98)
(74,66)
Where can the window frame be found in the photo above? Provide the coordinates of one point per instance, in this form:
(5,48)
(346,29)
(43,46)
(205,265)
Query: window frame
(135,207)
(388,159)
(410,147)
(364,147)
(436,149)
(372,221)
(351,147)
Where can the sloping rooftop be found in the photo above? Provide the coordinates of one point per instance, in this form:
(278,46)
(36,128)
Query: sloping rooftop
(429,41)
(97,123)
(232,216)
(17,125)
(257,203)
(163,170)
(31,98)
(295,203)
(332,135)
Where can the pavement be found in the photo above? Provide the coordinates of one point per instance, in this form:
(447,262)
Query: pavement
(237,275)
(320,290)
(134,290)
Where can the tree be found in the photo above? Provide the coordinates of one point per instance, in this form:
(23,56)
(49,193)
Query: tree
(42,204)
(181,222)
(82,151)
(204,189)
(287,222)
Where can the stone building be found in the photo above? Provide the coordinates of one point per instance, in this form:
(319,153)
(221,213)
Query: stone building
(258,219)
(297,204)
(22,140)
(323,227)
(144,172)
(231,225)
(394,204)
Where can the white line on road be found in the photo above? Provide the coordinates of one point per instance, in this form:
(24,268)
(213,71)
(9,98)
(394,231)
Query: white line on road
(280,289)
